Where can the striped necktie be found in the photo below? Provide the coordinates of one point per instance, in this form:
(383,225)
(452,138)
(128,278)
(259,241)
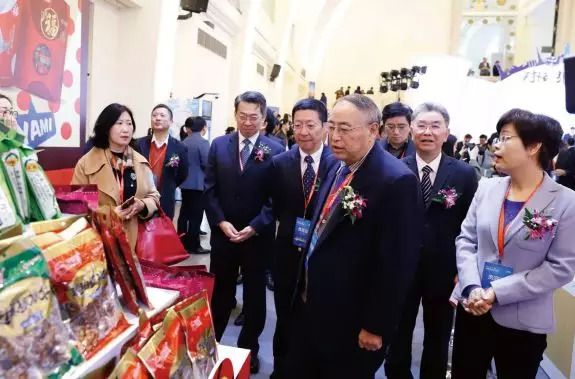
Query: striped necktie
(245,153)
(426,184)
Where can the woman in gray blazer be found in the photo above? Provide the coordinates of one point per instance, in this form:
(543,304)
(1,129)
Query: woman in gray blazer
(516,247)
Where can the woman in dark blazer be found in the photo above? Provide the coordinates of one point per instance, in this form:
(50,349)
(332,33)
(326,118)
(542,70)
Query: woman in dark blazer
(515,248)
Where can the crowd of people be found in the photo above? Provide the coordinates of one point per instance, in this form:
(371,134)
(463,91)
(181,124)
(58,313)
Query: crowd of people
(367,214)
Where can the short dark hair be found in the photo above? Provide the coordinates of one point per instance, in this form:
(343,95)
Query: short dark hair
(468,136)
(483,136)
(533,129)
(195,124)
(271,121)
(106,121)
(396,109)
(570,141)
(312,105)
(2,96)
(252,97)
(165,107)
(230,129)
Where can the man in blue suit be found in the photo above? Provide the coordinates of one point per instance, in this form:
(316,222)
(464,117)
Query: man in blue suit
(297,176)
(447,188)
(192,209)
(240,216)
(167,156)
(362,254)
(396,118)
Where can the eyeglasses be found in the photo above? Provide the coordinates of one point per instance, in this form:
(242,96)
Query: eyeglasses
(399,127)
(309,127)
(8,112)
(341,131)
(251,118)
(504,139)
(422,127)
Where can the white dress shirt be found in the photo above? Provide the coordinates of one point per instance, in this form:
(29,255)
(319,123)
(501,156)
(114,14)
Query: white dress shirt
(434,164)
(252,139)
(158,143)
(316,158)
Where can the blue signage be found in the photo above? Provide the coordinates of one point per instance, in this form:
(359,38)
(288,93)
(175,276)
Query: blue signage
(38,127)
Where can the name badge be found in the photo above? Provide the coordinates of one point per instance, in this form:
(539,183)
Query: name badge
(301,232)
(492,272)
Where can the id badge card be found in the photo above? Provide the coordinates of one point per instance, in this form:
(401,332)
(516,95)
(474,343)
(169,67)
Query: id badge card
(493,271)
(301,232)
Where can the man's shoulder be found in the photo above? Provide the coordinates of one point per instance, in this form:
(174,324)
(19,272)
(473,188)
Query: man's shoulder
(276,147)
(285,158)
(462,167)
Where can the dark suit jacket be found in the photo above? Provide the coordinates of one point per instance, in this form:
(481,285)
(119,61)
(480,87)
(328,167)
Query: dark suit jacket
(441,225)
(408,152)
(358,274)
(198,149)
(239,197)
(276,139)
(172,177)
(288,204)
(449,146)
(566,161)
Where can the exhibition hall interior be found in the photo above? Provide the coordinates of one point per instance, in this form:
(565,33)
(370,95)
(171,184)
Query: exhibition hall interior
(155,154)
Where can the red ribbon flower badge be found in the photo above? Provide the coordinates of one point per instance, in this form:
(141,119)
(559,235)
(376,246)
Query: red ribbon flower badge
(262,151)
(447,196)
(174,161)
(353,204)
(539,223)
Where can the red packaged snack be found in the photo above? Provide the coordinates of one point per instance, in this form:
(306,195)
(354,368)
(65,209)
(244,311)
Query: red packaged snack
(132,262)
(80,277)
(177,307)
(42,50)
(200,336)
(129,367)
(118,267)
(165,353)
(9,33)
(144,333)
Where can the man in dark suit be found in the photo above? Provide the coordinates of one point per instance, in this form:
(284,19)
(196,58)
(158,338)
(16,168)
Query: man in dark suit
(362,253)
(297,174)
(434,281)
(396,118)
(192,209)
(448,146)
(168,157)
(565,166)
(240,216)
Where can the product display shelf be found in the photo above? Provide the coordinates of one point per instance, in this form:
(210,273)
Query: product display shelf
(160,299)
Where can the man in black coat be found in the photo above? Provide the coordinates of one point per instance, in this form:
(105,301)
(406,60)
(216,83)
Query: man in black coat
(447,188)
(297,175)
(168,157)
(396,118)
(240,216)
(362,253)
(565,166)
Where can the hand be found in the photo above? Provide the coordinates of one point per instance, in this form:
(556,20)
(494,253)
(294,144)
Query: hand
(228,229)
(456,279)
(126,214)
(245,234)
(480,301)
(560,172)
(369,341)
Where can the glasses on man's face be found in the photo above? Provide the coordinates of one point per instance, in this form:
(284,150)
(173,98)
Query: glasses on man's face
(398,127)
(342,131)
(253,118)
(503,139)
(310,127)
(422,128)
(8,112)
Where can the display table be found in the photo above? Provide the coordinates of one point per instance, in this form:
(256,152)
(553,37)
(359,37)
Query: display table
(558,360)
(240,360)
(160,299)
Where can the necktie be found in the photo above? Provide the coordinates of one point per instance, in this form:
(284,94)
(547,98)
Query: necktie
(245,153)
(426,184)
(308,177)
(343,172)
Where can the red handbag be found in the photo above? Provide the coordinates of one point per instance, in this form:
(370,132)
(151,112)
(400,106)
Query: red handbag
(158,240)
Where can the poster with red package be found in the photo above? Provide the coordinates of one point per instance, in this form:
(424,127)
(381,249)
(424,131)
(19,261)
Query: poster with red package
(43,69)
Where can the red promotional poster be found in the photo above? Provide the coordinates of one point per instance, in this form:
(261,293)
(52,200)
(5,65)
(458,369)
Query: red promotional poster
(43,70)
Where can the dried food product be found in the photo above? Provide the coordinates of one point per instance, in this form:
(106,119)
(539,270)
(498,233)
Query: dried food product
(11,162)
(8,216)
(80,277)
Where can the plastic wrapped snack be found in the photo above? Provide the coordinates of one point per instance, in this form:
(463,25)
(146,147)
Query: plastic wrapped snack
(8,216)
(165,353)
(11,162)
(200,336)
(43,199)
(34,342)
(85,292)
(129,367)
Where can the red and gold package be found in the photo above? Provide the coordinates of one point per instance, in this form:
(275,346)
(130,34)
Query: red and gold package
(165,353)
(9,33)
(133,264)
(177,307)
(85,293)
(129,367)
(118,267)
(145,331)
(200,336)
(42,49)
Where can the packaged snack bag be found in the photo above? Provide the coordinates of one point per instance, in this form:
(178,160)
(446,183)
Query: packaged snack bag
(177,307)
(129,367)
(165,353)
(11,162)
(34,342)
(145,331)
(8,215)
(80,277)
(42,196)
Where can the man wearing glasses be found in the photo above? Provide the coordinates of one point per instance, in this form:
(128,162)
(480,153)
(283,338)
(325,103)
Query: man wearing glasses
(7,113)
(396,119)
(239,212)
(362,252)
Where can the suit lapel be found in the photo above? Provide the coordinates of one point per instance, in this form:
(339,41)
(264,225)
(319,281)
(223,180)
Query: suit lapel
(294,176)
(540,200)
(441,177)
(412,164)
(146,147)
(497,193)
(234,151)
(251,159)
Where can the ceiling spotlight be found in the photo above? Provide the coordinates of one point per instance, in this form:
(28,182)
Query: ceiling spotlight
(394,73)
(395,87)
(385,75)
(423,69)
(403,72)
(414,85)
(383,89)
(403,86)
(415,69)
